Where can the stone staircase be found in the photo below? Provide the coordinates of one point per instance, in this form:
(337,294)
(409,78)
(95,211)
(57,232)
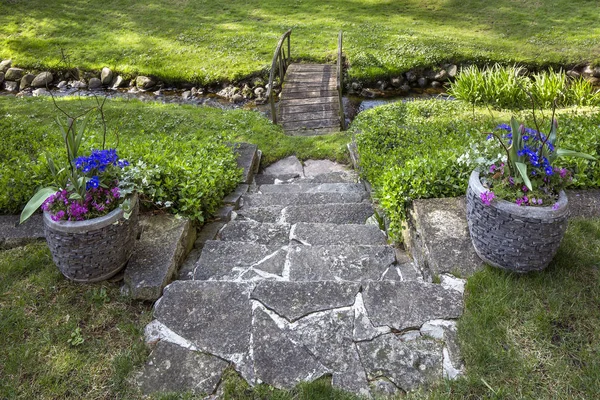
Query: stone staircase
(297,286)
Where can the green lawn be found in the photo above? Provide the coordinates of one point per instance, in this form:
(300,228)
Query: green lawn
(208,42)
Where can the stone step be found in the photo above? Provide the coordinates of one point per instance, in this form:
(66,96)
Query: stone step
(333,234)
(301,187)
(230,260)
(328,177)
(256,232)
(297,199)
(241,261)
(345,213)
(339,262)
(164,242)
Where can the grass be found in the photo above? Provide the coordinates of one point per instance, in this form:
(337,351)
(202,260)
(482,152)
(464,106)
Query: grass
(534,336)
(64,340)
(209,42)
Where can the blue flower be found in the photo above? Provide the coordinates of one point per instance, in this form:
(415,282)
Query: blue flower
(489,136)
(93,183)
(505,127)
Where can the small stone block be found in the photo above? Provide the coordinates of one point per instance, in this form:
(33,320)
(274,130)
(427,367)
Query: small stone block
(290,165)
(208,232)
(163,245)
(224,213)
(234,197)
(247,159)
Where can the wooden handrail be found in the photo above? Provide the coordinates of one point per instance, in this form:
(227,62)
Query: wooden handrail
(281,60)
(340,75)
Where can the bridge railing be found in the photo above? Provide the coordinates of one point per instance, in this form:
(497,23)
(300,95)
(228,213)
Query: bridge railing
(340,77)
(281,60)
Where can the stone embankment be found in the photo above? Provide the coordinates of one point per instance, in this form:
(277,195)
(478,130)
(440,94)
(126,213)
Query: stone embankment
(24,83)
(437,79)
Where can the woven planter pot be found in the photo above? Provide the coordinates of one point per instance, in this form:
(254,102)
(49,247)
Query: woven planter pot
(92,250)
(516,238)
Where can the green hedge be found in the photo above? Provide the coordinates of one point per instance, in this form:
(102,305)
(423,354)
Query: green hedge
(181,153)
(427,149)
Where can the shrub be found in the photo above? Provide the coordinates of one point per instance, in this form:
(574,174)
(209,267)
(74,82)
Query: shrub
(185,165)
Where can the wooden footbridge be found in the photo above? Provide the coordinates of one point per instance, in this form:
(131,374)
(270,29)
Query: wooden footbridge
(311,95)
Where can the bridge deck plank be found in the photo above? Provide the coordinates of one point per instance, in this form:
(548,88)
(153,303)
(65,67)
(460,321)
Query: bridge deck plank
(309,101)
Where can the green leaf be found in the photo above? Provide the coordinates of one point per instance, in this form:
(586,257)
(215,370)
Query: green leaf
(522,168)
(36,201)
(571,153)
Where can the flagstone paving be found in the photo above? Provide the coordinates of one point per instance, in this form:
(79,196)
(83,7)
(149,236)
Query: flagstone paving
(298,286)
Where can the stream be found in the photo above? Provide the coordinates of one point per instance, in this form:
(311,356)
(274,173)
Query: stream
(353,105)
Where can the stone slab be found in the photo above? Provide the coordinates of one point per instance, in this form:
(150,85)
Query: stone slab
(584,203)
(404,305)
(319,167)
(294,300)
(270,214)
(215,316)
(255,232)
(186,271)
(301,187)
(13,234)
(288,166)
(223,214)
(172,368)
(296,199)
(335,177)
(247,158)
(344,213)
(408,364)
(262,179)
(277,360)
(438,237)
(227,260)
(163,245)
(339,262)
(333,234)
(328,335)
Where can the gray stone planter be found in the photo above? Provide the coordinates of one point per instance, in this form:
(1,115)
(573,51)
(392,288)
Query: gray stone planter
(512,237)
(92,250)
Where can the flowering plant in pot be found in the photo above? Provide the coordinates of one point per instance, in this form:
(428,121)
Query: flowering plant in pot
(90,214)
(516,207)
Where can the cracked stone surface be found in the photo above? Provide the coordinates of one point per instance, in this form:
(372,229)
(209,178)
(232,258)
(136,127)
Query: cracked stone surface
(172,368)
(214,316)
(277,360)
(297,286)
(293,300)
(408,364)
(350,263)
(403,305)
(225,260)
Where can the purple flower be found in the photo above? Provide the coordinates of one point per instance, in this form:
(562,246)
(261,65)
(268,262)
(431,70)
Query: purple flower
(511,180)
(492,169)
(555,206)
(487,197)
